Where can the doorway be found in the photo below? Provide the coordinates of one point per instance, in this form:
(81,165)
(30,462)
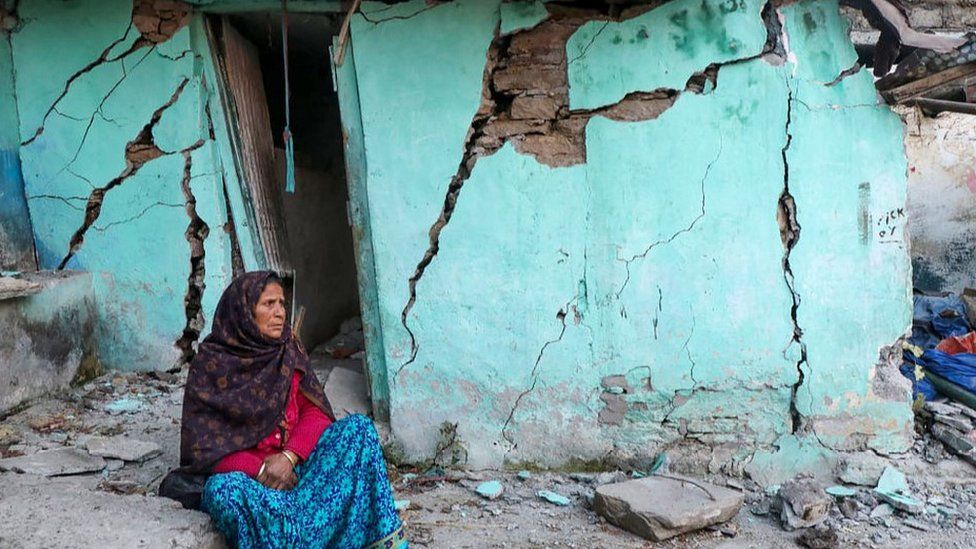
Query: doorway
(308,232)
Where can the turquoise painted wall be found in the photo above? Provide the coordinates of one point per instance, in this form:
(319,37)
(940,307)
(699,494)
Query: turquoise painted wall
(647,282)
(83,113)
(659,259)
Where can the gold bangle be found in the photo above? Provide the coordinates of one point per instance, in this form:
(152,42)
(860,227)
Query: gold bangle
(293,462)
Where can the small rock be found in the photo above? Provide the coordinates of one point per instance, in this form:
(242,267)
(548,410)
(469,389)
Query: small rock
(582,477)
(490,489)
(124,448)
(114,464)
(848,508)
(918,525)
(609,477)
(124,406)
(401,504)
(862,469)
(893,480)
(882,511)
(841,492)
(553,497)
(819,537)
(761,508)
(802,503)
(524,475)
(8,435)
(124,487)
(59,438)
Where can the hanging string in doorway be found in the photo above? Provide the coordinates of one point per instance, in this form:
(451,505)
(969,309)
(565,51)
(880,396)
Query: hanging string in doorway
(289,142)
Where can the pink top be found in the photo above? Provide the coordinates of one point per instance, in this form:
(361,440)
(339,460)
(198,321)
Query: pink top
(303,425)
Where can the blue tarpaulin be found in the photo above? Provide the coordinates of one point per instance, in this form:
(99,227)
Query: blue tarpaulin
(935,319)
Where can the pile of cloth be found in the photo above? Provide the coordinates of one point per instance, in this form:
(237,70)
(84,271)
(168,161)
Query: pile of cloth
(942,347)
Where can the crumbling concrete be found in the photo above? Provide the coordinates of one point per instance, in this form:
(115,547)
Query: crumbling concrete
(47,336)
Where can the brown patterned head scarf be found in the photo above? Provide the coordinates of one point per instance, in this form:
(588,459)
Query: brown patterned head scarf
(239,381)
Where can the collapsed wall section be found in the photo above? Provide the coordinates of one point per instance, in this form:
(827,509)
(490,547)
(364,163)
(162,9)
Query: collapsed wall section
(622,290)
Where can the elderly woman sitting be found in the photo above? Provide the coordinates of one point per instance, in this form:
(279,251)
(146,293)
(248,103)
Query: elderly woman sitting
(284,474)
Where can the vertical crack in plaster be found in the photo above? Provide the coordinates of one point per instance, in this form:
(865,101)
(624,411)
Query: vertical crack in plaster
(468,160)
(790,234)
(138,152)
(675,235)
(534,375)
(196,232)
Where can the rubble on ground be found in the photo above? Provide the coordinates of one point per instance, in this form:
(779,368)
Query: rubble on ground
(441,507)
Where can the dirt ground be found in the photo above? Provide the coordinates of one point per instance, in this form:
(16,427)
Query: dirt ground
(116,507)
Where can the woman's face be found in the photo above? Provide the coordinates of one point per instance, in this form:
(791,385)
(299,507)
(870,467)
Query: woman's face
(269,313)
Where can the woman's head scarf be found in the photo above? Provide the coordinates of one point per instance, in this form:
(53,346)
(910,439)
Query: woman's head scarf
(239,380)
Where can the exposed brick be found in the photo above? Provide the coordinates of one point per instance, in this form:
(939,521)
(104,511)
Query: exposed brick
(536,106)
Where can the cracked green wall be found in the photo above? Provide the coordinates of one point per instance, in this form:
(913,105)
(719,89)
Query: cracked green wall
(659,259)
(136,249)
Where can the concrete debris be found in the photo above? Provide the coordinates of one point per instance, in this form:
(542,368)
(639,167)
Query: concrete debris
(918,525)
(952,424)
(608,477)
(124,406)
(819,537)
(491,489)
(882,511)
(124,487)
(802,503)
(52,463)
(841,491)
(553,497)
(863,469)
(893,489)
(123,448)
(524,475)
(658,508)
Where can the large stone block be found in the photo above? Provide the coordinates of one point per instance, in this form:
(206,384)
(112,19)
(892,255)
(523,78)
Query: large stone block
(659,508)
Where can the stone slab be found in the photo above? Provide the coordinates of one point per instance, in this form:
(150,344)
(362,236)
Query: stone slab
(658,508)
(124,448)
(15,287)
(52,463)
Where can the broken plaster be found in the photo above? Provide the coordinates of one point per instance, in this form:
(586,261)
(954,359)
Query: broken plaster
(556,137)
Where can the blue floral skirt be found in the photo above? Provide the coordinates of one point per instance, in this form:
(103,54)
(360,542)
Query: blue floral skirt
(343,498)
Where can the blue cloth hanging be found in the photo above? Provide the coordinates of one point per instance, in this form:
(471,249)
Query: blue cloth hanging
(289,142)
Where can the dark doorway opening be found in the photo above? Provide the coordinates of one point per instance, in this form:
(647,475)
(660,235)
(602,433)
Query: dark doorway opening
(317,233)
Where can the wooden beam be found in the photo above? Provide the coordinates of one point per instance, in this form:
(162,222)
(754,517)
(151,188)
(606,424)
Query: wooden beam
(911,90)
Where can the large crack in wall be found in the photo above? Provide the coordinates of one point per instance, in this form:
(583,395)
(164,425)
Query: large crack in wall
(138,152)
(525,101)
(790,234)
